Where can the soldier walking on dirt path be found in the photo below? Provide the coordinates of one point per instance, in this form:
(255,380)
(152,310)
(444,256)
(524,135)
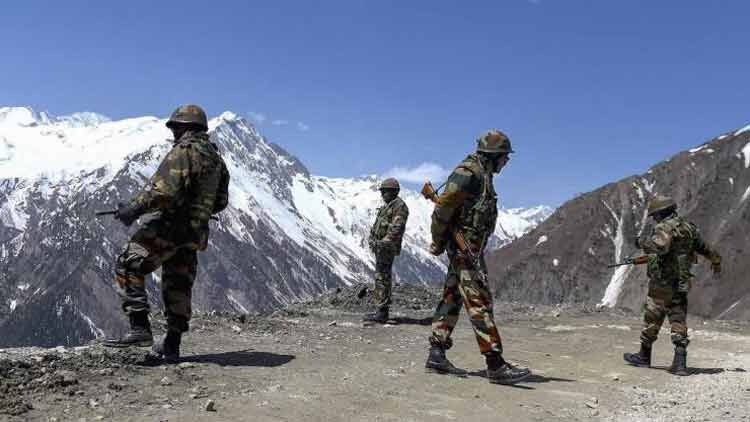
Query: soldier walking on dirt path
(385,240)
(469,205)
(672,246)
(190,185)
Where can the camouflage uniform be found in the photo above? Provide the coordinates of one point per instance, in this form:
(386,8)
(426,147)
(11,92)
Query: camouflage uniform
(673,244)
(189,186)
(385,241)
(469,204)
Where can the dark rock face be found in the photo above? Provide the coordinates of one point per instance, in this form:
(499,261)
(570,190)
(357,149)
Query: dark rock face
(564,259)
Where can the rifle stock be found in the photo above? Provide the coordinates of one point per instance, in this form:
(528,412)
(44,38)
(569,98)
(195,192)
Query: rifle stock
(638,260)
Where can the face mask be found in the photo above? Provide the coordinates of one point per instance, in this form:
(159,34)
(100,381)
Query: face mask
(388,195)
(498,162)
(177,133)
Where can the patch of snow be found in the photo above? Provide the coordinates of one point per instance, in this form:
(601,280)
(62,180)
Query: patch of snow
(731,181)
(612,293)
(23,287)
(237,304)
(98,333)
(555,262)
(13,304)
(742,130)
(746,154)
(745,195)
(541,240)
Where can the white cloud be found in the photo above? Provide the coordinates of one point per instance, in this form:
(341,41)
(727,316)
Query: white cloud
(257,117)
(302,127)
(280,122)
(419,174)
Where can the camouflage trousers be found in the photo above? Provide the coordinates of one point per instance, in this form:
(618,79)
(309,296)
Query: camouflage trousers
(383,282)
(664,303)
(146,252)
(464,286)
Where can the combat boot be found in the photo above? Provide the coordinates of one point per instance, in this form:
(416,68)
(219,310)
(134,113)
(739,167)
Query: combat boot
(679,364)
(381,316)
(501,372)
(139,334)
(439,364)
(642,358)
(168,348)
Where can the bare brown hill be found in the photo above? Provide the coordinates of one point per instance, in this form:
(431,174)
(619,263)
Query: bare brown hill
(565,258)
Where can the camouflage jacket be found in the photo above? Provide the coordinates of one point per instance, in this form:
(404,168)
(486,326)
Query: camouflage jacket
(673,244)
(469,204)
(189,186)
(389,227)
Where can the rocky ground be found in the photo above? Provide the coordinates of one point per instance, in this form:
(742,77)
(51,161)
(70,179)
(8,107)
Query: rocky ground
(316,361)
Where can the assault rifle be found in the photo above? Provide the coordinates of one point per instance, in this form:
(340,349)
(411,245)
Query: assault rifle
(638,260)
(113,212)
(429,192)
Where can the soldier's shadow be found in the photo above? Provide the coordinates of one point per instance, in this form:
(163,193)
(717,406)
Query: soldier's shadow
(699,371)
(241,358)
(533,379)
(413,321)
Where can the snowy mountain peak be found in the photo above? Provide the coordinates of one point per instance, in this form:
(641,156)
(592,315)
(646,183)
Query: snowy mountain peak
(85,118)
(23,116)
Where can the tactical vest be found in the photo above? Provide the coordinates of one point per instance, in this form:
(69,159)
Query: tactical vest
(384,218)
(478,215)
(201,189)
(673,269)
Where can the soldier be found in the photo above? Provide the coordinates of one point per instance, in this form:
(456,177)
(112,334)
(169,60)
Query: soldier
(672,246)
(385,240)
(469,205)
(188,187)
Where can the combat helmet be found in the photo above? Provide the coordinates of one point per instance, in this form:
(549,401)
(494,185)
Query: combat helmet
(661,203)
(493,142)
(189,114)
(389,183)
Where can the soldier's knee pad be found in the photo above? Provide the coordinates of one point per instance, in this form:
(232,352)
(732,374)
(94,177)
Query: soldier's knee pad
(129,263)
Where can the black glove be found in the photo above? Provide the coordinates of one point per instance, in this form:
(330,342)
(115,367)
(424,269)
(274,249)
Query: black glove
(127,213)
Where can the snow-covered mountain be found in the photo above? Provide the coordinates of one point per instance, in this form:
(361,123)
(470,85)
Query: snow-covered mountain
(286,235)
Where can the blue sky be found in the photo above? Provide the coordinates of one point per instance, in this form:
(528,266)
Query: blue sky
(589,91)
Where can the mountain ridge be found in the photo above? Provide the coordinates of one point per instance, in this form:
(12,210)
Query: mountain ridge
(286,236)
(564,259)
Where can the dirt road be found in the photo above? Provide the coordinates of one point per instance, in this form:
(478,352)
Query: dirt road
(323,365)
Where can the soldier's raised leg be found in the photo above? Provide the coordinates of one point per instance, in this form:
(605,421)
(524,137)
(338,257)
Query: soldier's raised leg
(142,255)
